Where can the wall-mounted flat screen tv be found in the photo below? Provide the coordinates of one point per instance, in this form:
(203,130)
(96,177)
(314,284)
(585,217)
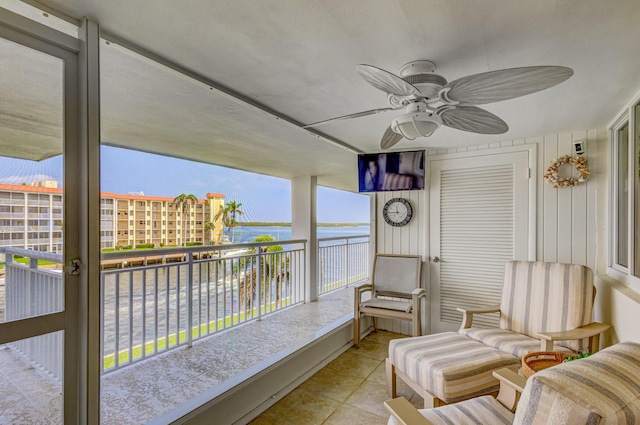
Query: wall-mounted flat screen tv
(380,172)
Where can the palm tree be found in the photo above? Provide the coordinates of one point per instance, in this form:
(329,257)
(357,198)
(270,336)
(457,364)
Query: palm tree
(274,268)
(183,203)
(210,226)
(229,214)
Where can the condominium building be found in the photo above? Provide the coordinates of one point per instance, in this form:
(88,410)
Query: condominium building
(31,218)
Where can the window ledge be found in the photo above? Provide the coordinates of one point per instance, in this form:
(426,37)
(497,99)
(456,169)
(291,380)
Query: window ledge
(624,284)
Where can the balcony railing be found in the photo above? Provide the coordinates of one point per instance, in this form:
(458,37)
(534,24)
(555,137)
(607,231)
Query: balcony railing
(342,261)
(156,300)
(30,291)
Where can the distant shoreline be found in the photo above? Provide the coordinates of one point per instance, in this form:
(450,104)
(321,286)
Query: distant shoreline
(282,224)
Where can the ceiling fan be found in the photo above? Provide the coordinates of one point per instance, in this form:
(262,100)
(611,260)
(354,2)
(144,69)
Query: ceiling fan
(429,100)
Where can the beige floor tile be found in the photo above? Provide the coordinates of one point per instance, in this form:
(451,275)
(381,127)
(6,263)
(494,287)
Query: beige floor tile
(348,415)
(373,349)
(380,376)
(370,397)
(383,336)
(332,384)
(302,407)
(354,364)
(265,419)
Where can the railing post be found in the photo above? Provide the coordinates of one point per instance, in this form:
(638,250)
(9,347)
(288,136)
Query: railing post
(33,264)
(346,262)
(189,300)
(259,285)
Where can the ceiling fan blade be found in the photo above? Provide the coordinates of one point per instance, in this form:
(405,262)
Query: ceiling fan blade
(474,120)
(386,81)
(495,86)
(356,115)
(389,138)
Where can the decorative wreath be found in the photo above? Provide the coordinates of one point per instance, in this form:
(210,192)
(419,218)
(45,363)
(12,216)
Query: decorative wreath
(552,172)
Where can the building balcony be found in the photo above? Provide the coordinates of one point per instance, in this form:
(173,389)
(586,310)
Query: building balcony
(178,346)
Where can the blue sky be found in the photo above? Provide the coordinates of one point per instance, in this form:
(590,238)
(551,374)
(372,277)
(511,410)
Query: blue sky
(263,198)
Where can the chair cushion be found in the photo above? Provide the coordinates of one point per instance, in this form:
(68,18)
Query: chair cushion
(538,296)
(450,366)
(601,389)
(510,342)
(405,306)
(479,410)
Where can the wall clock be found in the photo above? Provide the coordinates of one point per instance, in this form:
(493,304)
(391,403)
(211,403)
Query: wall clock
(397,212)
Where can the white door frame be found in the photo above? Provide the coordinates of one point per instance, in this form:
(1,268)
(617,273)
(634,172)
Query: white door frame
(532,151)
(80,319)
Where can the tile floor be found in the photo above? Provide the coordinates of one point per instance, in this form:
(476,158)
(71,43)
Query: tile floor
(350,390)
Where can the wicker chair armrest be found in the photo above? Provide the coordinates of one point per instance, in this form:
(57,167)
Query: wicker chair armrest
(404,412)
(467,314)
(591,331)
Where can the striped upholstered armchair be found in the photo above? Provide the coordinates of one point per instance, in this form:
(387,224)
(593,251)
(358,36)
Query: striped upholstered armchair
(544,307)
(601,389)
(548,302)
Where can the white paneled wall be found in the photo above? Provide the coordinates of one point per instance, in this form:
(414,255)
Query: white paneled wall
(566,218)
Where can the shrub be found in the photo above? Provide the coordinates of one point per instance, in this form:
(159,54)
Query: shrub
(194,244)
(145,245)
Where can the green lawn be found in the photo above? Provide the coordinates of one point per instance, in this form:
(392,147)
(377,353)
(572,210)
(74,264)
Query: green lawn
(25,261)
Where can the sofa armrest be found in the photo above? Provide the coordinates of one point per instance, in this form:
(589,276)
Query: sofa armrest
(404,412)
(511,386)
(591,331)
(467,314)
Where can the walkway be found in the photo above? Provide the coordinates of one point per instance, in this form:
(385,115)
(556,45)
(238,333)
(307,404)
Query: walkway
(141,392)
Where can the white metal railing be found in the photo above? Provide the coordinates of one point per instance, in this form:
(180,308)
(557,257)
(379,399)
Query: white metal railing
(31,291)
(342,261)
(171,297)
(156,300)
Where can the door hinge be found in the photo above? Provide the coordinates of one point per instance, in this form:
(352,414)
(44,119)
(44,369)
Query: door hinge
(74,267)
(529,173)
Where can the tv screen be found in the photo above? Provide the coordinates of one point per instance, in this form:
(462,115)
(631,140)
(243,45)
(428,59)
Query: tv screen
(380,172)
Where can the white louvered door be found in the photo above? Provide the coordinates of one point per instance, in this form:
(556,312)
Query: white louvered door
(480,218)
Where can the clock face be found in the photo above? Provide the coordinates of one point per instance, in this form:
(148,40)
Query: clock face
(397,212)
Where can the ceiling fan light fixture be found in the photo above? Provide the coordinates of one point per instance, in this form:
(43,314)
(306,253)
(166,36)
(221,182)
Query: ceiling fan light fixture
(416,124)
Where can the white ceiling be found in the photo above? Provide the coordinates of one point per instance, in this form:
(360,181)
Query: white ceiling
(298,58)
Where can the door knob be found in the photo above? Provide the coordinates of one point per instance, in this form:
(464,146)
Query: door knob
(436,259)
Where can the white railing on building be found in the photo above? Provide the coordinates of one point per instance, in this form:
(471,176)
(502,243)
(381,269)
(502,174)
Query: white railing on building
(147,308)
(156,300)
(342,261)
(31,291)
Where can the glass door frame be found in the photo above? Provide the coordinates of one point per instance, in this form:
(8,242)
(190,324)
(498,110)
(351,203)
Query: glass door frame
(81,202)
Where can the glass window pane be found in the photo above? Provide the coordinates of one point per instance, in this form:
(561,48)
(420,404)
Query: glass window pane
(31,373)
(622,196)
(31,182)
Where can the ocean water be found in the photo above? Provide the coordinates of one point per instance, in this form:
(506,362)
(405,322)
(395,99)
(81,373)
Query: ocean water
(248,233)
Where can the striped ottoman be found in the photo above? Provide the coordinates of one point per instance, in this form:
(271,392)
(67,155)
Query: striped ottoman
(448,366)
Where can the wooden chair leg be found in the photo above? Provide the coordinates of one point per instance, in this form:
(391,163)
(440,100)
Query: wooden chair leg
(391,379)
(356,329)
(415,327)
